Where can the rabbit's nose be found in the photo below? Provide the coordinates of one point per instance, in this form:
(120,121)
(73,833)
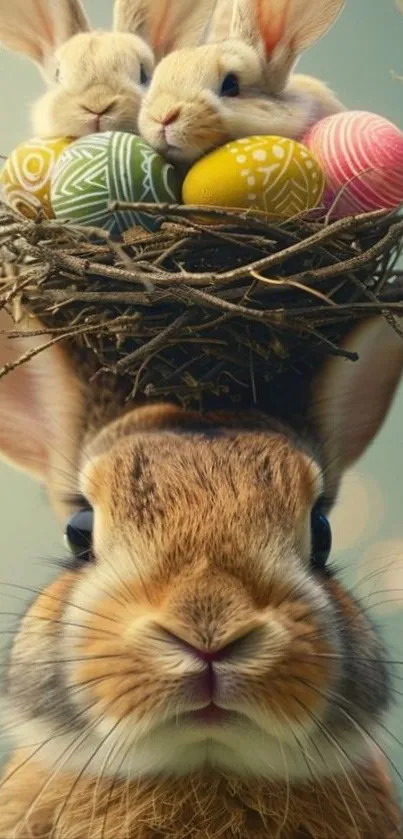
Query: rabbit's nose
(240,646)
(170,117)
(100,111)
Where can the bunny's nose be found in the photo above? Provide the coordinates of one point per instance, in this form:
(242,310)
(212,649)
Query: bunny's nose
(234,648)
(170,117)
(99,112)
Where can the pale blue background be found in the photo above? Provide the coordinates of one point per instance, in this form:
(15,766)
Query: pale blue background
(357,58)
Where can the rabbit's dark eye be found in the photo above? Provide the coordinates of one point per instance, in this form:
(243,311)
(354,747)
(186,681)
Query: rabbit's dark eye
(321,535)
(57,74)
(78,535)
(230,85)
(144,77)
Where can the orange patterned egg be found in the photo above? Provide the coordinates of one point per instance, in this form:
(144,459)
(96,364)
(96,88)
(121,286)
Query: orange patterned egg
(25,177)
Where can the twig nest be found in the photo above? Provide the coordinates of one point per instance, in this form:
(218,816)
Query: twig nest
(362,157)
(98,170)
(26,176)
(273,174)
(212,315)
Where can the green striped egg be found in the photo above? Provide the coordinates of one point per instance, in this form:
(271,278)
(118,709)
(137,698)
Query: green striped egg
(112,166)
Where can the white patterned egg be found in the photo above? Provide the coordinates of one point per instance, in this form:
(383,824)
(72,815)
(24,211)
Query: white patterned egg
(113,166)
(273,174)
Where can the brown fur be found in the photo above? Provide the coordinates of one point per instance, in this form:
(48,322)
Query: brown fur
(177,485)
(197,808)
(178,480)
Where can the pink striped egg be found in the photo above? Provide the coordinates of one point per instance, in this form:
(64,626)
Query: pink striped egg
(362,157)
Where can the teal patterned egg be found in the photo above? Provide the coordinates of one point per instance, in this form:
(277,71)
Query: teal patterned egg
(114,166)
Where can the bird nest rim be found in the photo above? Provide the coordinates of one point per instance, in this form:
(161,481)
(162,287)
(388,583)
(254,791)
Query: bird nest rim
(192,305)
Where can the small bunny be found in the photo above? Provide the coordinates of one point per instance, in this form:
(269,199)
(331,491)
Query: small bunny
(197,669)
(203,97)
(96,79)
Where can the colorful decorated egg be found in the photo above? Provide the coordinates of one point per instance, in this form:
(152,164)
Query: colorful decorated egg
(362,157)
(25,177)
(114,166)
(273,174)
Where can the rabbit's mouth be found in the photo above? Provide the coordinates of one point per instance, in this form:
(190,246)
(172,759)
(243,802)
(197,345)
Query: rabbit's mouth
(211,715)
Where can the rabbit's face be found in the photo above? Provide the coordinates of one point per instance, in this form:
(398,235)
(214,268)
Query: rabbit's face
(197,631)
(99,81)
(196,99)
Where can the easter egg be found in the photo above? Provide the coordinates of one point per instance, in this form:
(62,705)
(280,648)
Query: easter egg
(273,174)
(362,157)
(113,166)
(26,175)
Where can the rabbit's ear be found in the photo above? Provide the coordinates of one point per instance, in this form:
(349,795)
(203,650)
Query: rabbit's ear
(69,19)
(351,398)
(35,28)
(284,27)
(166,25)
(41,407)
(130,16)
(218,28)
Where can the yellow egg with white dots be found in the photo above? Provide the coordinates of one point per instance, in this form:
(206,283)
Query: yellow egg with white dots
(272,174)
(26,175)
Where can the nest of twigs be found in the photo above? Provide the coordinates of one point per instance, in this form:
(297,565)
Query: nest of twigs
(203,313)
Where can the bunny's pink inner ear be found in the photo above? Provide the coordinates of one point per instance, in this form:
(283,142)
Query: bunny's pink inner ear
(271,19)
(41,405)
(351,399)
(162,28)
(264,21)
(285,27)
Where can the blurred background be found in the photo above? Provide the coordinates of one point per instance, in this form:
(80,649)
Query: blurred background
(360,58)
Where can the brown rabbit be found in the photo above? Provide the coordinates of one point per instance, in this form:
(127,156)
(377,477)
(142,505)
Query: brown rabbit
(197,670)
